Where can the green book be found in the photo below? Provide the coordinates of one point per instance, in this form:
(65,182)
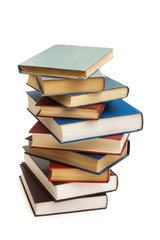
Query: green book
(67,61)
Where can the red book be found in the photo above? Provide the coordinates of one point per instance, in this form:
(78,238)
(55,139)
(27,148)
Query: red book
(49,108)
(114,144)
(63,173)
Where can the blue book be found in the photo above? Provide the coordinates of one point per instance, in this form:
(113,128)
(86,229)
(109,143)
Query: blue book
(118,117)
(112,90)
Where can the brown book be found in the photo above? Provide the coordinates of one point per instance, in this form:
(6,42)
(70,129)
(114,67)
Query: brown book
(49,108)
(42,204)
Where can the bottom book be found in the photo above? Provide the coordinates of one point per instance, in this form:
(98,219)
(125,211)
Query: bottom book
(43,204)
(38,167)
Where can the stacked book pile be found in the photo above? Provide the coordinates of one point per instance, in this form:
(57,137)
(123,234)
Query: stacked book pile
(82,130)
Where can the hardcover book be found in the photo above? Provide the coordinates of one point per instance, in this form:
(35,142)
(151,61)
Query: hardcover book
(58,86)
(49,108)
(113,90)
(113,144)
(118,117)
(67,61)
(63,173)
(43,204)
(90,162)
(39,168)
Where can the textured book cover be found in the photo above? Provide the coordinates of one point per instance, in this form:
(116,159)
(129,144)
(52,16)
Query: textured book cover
(48,102)
(73,61)
(112,109)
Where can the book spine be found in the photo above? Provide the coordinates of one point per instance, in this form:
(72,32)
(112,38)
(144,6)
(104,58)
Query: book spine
(127,91)
(109,175)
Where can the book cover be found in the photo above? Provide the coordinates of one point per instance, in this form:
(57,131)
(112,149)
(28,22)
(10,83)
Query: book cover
(67,61)
(112,109)
(48,102)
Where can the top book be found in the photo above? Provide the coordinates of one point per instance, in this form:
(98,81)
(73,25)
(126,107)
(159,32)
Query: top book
(67,61)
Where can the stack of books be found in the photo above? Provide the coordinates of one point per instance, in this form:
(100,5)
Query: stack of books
(82,130)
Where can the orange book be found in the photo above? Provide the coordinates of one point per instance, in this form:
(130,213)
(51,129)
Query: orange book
(63,173)
(49,108)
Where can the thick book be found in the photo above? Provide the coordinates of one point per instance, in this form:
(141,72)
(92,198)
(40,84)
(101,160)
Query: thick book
(67,61)
(50,108)
(118,117)
(90,162)
(50,86)
(39,168)
(63,173)
(113,144)
(43,204)
(113,90)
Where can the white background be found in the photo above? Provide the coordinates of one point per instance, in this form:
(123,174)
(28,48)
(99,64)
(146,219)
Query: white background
(131,28)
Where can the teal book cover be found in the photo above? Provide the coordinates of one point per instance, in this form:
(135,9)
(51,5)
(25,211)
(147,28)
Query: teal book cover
(67,61)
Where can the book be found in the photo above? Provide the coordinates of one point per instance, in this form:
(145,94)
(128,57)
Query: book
(43,204)
(67,61)
(58,86)
(118,117)
(113,90)
(63,173)
(113,144)
(90,162)
(39,168)
(49,108)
